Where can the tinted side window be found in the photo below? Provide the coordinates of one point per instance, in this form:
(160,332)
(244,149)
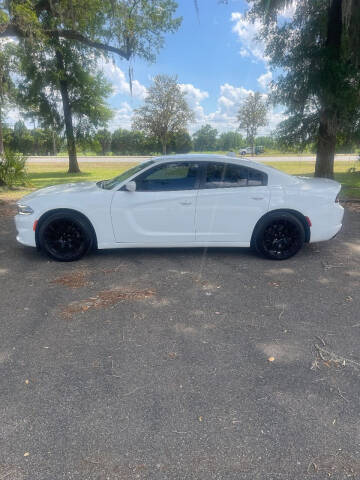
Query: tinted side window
(221,175)
(256,178)
(170,176)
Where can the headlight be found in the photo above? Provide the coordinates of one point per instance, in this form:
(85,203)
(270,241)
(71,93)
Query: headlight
(25,210)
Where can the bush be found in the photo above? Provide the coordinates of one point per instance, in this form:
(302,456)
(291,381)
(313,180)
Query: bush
(12,169)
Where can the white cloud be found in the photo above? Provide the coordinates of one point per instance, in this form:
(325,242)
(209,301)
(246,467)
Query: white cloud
(289,11)
(223,118)
(194,95)
(247,32)
(244,53)
(264,80)
(12,116)
(231,96)
(122,117)
(5,40)
(274,119)
(119,81)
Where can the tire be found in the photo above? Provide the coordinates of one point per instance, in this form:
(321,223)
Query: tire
(279,236)
(65,237)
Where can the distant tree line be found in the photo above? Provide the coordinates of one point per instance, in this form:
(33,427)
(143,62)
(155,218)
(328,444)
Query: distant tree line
(45,141)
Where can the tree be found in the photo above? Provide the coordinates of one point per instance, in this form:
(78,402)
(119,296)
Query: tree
(104,137)
(318,51)
(252,115)
(205,138)
(22,141)
(40,93)
(126,28)
(165,111)
(181,142)
(7,89)
(230,141)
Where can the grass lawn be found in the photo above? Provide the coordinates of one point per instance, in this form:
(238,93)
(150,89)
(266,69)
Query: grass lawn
(45,174)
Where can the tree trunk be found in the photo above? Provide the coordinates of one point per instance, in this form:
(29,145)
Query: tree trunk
(69,129)
(326,146)
(164,147)
(1,136)
(2,183)
(328,127)
(54,143)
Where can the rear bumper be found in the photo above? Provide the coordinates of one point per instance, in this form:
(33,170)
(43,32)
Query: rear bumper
(25,233)
(327,224)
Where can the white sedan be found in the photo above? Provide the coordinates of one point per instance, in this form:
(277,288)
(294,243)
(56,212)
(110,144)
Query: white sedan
(183,201)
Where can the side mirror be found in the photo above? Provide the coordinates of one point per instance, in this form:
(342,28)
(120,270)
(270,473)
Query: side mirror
(130,187)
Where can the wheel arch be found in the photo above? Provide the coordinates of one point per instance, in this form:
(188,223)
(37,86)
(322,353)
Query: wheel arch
(69,211)
(296,214)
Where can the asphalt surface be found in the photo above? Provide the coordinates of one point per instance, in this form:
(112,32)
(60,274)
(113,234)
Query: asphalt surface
(180,364)
(127,159)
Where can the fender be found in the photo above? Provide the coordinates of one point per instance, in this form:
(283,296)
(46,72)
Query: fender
(296,214)
(63,210)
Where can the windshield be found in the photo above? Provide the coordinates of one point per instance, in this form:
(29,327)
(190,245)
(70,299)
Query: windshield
(110,184)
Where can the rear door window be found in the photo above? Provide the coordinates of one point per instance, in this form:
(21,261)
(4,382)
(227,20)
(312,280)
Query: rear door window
(225,175)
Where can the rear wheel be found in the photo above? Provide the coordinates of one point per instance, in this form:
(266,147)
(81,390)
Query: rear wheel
(279,236)
(65,237)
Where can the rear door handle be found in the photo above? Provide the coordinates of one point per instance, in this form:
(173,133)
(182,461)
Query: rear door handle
(257,198)
(185,203)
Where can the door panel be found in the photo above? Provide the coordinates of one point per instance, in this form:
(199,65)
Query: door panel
(154,217)
(162,209)
(229,214)
(231,201)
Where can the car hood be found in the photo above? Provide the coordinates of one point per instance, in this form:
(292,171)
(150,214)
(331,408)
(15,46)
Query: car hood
(67,189)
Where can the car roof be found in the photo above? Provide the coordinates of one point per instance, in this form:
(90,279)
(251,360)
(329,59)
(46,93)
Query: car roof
(207,157)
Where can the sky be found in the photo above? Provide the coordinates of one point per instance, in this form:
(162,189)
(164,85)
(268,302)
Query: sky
(217,59)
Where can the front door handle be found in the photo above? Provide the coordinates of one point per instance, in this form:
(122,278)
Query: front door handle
(185,203)
(257,198)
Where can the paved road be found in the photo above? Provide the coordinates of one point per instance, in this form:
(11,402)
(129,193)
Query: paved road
(290,158)
(166,376)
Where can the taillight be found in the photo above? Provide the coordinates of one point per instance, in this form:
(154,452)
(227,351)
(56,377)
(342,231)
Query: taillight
(337,199)
(308,221)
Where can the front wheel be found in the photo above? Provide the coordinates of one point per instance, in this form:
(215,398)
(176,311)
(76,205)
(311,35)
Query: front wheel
(279,236)
(65,237)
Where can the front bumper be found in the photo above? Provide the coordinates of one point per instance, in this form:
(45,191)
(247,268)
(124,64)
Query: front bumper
(25,233)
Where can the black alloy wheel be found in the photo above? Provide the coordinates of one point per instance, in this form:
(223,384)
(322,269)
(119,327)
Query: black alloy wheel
(65,237)
(280,237)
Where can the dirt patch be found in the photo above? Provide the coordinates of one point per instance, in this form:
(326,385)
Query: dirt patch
(105,299)
(7,209)
(77,279)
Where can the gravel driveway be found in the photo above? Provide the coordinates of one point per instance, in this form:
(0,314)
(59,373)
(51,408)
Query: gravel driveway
(180,364)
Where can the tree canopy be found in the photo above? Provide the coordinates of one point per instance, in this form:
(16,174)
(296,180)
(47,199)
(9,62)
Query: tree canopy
(317,54)
(205,138)
(252,115)
(165,111)
(124,27)
(66,34)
